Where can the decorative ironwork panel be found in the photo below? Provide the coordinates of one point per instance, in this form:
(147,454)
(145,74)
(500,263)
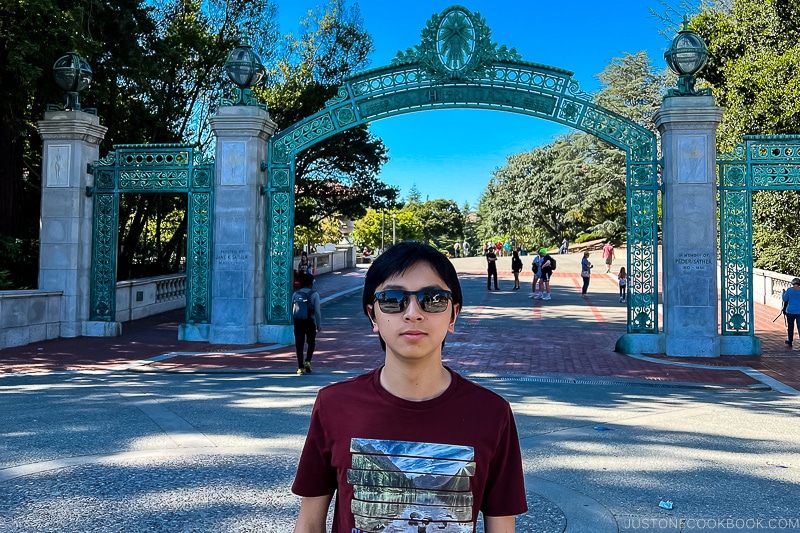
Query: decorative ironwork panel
(280,233)
(642,261)
(456,65)
(762,162)
(737,260)
(103,295)
(154,180)
(152,168)
(198,260)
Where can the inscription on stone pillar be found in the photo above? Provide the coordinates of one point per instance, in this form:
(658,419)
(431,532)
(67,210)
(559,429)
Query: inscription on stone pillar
(694,262)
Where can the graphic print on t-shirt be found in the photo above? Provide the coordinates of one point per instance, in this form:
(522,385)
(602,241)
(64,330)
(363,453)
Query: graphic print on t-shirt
(411,487)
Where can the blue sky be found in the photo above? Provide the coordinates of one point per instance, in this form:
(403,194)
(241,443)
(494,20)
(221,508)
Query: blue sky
(451,153)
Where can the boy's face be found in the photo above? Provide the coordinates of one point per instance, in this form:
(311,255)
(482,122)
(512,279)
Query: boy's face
(414,334)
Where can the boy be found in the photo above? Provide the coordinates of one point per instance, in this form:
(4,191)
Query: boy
(411,446)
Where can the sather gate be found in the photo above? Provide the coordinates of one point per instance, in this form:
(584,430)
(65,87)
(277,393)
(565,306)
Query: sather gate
(457,66)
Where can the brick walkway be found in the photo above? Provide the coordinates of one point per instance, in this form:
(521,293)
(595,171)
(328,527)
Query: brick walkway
(501,332)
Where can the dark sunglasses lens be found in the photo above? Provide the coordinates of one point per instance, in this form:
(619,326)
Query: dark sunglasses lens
(392,301)
(435,302)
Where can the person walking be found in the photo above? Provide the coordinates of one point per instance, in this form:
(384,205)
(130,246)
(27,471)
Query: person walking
(586,273)
(307,321)
(465,248)
(536,268)
(622,277)
(456,250)
(791,308)
(546,270)
(608,256)
(516,267)
(564,248)
(491,267)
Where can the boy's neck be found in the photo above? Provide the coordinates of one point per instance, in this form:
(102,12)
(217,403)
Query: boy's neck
(415,383)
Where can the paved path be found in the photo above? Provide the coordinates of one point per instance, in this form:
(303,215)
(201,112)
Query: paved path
(499,332)
(146,433)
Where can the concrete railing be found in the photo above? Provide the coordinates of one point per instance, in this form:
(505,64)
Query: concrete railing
(769,286)
(330,260)
(140,298)
(29,316)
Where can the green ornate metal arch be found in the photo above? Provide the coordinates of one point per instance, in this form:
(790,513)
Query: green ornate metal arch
(761,163)
(457,66)
(152,168)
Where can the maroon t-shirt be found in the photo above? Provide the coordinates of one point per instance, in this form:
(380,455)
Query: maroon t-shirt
(406,466)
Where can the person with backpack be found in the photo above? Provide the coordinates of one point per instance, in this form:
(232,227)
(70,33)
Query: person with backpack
(307,321)
(546,268)
(516,267)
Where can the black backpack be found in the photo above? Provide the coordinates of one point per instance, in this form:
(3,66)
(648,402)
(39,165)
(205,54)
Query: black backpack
(552,264)
(302,308)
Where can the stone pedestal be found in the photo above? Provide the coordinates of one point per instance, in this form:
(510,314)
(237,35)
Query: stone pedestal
(71,143)
(688,127)
(238,278)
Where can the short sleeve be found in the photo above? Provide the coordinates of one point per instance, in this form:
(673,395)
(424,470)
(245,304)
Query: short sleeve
(505,483)
(315,475)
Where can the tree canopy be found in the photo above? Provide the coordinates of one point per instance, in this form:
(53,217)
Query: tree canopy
(753,69)
(576,184)
(158,75)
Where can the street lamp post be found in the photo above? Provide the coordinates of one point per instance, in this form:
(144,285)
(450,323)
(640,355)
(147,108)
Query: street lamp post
(394,228)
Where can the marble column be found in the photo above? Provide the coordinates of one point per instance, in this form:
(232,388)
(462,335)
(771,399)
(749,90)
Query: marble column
(238,276)
(688,127)
(71,144)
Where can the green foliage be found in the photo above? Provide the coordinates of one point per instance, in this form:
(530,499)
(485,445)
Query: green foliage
(583,237)
(337,176)
(16,258)
(323,231)
(442,222)
(754,60)
(577,183)
(367,231)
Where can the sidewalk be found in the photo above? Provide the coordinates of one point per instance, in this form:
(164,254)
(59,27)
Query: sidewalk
(498,333)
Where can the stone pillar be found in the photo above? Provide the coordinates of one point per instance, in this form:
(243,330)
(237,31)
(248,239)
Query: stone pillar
(239,274)
(688,126)
(71,143)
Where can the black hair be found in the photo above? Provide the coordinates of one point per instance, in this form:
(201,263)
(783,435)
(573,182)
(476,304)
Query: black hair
(306,279)
(397,259)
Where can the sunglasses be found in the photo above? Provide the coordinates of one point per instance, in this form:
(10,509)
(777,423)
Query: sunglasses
(430,300)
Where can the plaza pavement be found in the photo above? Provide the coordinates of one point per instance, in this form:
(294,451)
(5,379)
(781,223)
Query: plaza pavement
(146,433)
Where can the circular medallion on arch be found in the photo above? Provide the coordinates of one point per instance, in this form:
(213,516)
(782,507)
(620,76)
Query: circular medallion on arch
(455,39)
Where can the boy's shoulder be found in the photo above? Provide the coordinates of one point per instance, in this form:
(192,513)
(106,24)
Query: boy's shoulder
(366,388)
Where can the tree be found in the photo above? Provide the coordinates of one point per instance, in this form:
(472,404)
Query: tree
(337,176)
(576,184)
(154,85)
(754,51)
(442,222)
(367,230)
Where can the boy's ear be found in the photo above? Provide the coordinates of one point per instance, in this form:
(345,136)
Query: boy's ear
(456,310)
(371,314)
